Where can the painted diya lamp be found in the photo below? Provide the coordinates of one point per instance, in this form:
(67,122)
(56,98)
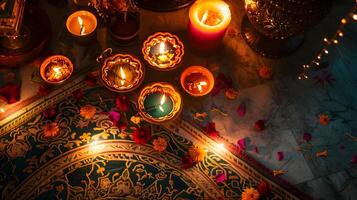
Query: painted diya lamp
(159,102)
(56,69)
(163,51)
(122,73)
(82,26)
(197,81)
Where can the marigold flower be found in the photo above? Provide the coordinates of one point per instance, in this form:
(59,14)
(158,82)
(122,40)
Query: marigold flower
(250,194)
(324,119)
(87,111)
(160,144)
(197,153)
(50,130)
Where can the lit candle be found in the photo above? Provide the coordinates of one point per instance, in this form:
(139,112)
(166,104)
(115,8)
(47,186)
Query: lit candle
(122,72)
(197,81)
(159,102)
(208,22)
(81,24)
(56,69)
(163,51)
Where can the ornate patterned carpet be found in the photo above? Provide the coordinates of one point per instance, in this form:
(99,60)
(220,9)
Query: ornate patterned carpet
(93,159)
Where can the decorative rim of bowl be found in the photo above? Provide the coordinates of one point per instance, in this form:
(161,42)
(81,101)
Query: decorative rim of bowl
(133,61)
(167,37)
(205,72)
(165,88)
(51,59)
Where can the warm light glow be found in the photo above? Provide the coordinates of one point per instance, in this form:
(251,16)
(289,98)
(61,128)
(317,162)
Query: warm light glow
(122,76)
(204,17)
(354,17)
(335,41)
(220,146)
(200,84)
(2,110)
(325,51)
(162,101)
(343,21)
(80,21)
(95,147)
(340,34)
(162,48)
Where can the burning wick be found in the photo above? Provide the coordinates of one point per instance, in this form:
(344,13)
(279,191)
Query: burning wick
(80,21)
(122,76)
(162,101)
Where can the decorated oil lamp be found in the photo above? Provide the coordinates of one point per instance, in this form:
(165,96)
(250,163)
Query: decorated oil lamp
(197,81)
(122,72)
(163,51)
(82,25)
(159,102)
(208,22)
(56,69)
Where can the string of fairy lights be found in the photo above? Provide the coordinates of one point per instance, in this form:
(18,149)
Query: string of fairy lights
(334,40)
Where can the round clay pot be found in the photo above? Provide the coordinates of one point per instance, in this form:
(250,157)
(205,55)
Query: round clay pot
(125,31)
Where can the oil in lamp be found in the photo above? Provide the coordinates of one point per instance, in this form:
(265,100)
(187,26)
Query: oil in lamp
(82,25)
(56,69)
(121,72)
(197,81)
(163,51)
(159,102)
(208,22)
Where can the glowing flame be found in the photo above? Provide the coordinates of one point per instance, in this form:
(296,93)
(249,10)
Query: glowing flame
(122,76)
(162,48)
(204,17)
(80,21)
(200,84)
(57,71)
(162,101)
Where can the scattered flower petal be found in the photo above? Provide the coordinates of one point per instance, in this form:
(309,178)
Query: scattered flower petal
(49,112)
(50,130)
(280,155)
(221,82)
(211,130)
(220,178)
(250,194)
(231,94)
(241,109)
(324,119)
(278,172)
(265,72)
(135,119)
(187,162)
(197,153)
(259,125)
(90,79)
(10,93)
(159,144)
(241,144)
(122,103)
(78,94)
(142,135)
(307,136)
(263,188)
(322,154)
(114,116)
(87,111)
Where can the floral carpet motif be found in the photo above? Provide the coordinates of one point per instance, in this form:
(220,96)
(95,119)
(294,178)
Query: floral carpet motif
(85,156)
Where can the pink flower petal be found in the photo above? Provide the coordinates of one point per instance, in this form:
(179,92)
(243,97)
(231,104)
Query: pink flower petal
(241,144)
(241,110)
(307,136)
(114,116)
(220,178)
(280,155)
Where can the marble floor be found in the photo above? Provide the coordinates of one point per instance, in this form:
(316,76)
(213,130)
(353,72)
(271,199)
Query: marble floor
(289,106)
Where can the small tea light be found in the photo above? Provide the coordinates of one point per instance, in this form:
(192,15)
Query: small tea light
(159,102)
(81,24)
(163,51)
(122,73)
(197,81)
(208,22)
(56,69)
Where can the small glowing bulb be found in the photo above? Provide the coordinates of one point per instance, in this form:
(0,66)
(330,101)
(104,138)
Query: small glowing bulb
(317,63)
(335,41)
(319,57)
(343,21)
(325,40)
(340,34)
(325,51)
(354,17)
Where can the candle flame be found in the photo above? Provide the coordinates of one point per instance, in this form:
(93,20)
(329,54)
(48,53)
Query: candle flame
(122,76)
(162,101)
(200,84)
(204,17)
(57,71)
(80,21)
(162,48)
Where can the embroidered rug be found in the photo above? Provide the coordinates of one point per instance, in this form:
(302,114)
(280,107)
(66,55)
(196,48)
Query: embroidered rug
(93,159)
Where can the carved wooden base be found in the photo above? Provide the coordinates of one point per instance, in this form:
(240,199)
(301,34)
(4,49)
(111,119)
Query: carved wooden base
(268,47)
